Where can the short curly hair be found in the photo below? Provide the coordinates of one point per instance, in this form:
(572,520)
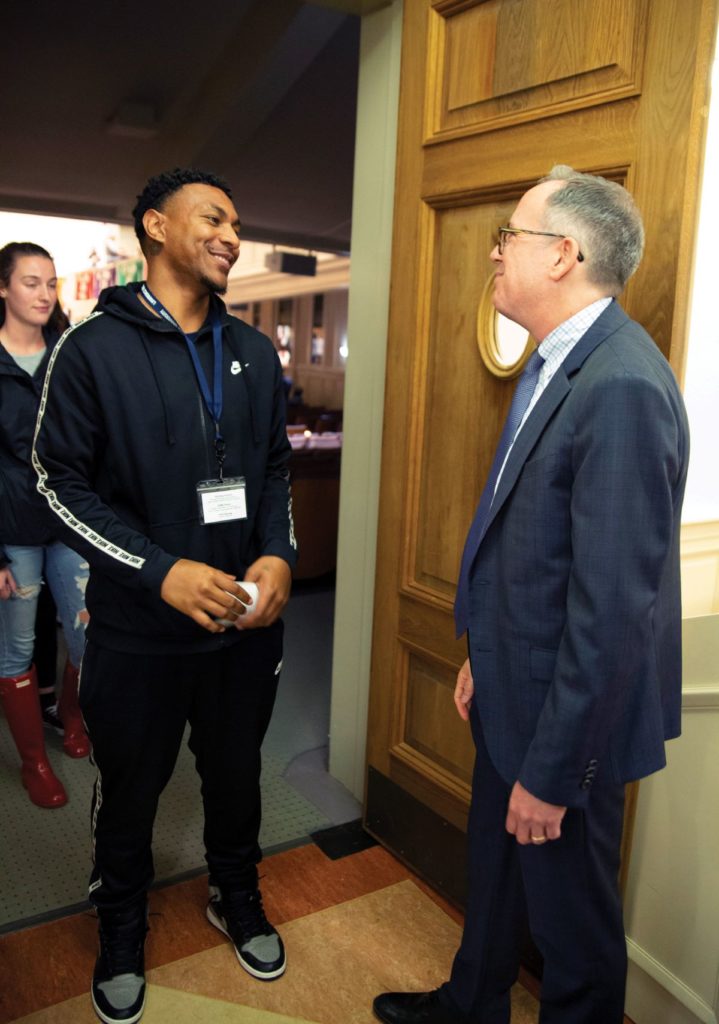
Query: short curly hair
(159,189)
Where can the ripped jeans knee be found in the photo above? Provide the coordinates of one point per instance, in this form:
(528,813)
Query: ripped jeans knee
(29,592)
(66,574)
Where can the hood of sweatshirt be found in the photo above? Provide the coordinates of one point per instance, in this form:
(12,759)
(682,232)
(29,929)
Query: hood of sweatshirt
(123,301)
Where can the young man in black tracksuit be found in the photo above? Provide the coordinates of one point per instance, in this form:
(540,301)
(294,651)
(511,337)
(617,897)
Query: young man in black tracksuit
(161,448)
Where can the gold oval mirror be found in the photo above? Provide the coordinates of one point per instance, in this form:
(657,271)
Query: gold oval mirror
(503,345)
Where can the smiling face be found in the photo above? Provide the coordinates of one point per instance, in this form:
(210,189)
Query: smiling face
(200,234)
(31,293)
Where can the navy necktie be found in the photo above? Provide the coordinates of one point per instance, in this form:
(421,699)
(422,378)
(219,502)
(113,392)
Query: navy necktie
(521,399)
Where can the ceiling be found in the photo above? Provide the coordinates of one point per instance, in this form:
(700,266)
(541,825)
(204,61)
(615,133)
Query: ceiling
(97,97)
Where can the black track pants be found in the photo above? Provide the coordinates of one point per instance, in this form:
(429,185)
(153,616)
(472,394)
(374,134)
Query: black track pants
(136,707)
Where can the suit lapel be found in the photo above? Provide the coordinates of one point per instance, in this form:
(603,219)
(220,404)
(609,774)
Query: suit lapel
(551,398)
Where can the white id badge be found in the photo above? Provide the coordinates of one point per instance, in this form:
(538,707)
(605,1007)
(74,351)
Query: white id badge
(221,501)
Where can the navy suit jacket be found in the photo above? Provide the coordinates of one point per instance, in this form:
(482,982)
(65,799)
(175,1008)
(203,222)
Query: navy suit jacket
(575,608)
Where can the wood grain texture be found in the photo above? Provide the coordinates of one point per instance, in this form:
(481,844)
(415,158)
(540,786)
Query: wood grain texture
(503,62)
(432,728)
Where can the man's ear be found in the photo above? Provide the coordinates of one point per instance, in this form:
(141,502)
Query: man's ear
(153,222)
(566,258)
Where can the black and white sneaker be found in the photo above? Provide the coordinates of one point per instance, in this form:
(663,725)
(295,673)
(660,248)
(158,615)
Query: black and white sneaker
(51,719)
(241,917)
(118,983)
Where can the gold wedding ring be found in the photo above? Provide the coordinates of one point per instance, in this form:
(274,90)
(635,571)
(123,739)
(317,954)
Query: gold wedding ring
(538,839)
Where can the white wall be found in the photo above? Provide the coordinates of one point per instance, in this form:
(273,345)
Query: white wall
(372,215)
(701,382)
(672,899)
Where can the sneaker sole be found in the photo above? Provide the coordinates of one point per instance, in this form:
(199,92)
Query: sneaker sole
(59,730)
(116,1020)
(260,975)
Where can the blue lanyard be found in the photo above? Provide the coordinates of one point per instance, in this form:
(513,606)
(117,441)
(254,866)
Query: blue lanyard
(213,400)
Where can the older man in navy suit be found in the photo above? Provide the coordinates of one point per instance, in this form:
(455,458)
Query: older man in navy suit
(570,593)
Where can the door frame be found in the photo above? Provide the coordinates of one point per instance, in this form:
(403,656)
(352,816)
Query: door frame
(372,224)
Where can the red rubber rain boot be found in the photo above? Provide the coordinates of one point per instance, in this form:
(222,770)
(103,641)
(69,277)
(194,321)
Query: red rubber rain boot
(75,743)
(21,705)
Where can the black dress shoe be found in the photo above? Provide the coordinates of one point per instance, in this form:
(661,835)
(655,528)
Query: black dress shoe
(414,1008)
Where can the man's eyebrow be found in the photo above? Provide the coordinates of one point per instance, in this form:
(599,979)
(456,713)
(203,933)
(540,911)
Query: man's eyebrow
(223,213)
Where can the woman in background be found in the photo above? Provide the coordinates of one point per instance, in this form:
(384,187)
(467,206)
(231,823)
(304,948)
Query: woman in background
(30,324)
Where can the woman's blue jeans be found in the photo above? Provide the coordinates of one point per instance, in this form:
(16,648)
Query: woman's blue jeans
(66,575)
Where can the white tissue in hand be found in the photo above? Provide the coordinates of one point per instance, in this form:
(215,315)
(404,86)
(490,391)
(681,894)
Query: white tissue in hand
(252,591)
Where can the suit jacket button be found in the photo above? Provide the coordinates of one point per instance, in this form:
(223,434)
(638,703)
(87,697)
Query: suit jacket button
(585,783)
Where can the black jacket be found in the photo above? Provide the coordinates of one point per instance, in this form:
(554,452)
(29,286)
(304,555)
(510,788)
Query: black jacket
(123,439)
(24,516)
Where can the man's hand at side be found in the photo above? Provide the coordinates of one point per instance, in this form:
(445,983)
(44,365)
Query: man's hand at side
(464,691)
(532,820)
(274,579)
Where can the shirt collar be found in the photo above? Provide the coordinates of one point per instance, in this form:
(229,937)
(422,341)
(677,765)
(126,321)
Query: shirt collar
(559,342)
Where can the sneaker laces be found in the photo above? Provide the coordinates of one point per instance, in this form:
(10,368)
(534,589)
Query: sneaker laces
(122,937)
(245,914)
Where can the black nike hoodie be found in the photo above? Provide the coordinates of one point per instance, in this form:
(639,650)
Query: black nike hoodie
(124,437)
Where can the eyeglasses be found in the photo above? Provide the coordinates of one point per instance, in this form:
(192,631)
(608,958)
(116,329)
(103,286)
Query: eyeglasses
(503,234)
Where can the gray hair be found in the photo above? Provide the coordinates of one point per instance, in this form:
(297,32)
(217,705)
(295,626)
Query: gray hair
(603,218)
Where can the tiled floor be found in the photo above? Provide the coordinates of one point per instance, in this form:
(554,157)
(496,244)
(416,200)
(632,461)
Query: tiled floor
(353,927)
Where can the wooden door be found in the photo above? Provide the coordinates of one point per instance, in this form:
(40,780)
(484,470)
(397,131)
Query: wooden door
(493,93)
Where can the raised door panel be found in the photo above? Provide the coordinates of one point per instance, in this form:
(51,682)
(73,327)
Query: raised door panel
(459,404)
(495,63)
(430,739)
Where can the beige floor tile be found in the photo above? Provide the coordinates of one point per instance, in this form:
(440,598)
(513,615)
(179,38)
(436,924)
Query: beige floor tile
(165,1006)
(339,959)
